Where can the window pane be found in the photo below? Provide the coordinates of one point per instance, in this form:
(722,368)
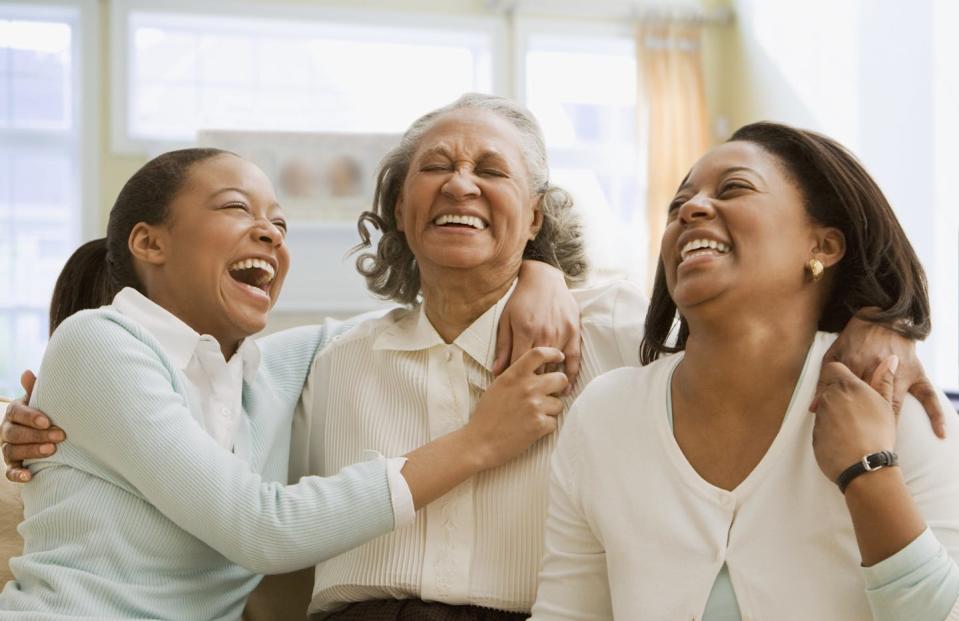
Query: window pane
(41,185)
(37,73)
(162,56)
(583,91)
(278,75)
(23,337)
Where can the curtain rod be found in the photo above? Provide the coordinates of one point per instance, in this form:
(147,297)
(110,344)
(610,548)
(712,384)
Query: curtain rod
(625,9)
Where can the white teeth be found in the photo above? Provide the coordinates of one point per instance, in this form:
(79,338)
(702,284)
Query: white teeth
(451,218)
(698,244)
(245,264)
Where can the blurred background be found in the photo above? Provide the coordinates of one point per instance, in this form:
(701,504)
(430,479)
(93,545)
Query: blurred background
(629,93)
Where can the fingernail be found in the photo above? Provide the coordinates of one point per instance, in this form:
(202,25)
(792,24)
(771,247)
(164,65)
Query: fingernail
(22,476)
(46,449)
(894,364)
(57,436)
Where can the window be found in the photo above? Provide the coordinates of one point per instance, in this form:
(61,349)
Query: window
(187,72)
(582,88)
(40,172)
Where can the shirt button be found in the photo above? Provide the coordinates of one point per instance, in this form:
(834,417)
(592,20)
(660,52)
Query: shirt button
(224,412)
(449,355)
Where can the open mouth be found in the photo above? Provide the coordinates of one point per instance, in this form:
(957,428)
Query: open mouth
(460,221)
(254,273)
(700,247)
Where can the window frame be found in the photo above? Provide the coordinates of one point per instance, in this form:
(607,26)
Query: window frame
(121,39)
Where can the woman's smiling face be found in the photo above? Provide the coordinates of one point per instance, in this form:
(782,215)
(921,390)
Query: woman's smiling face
(466,201)
(737,230)
(226,255)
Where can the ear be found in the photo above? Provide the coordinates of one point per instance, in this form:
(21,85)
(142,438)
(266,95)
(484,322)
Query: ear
(830,245)
(537,223)
(398,214)
(149,243)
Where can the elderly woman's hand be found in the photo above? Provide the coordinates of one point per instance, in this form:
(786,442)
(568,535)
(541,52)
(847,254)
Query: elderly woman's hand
(540,313)
(853,418)
(26,434)
(863,345)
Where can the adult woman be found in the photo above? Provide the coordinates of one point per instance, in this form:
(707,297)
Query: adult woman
(737,518)
(479,163)
(167,499)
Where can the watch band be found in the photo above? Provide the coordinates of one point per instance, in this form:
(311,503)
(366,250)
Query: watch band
(873,461)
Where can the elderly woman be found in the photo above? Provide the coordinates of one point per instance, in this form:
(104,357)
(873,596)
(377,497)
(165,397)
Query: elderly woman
(459,201)
(693,488)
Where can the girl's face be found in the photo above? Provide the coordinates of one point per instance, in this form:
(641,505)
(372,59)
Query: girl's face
(737,231)
(225,254)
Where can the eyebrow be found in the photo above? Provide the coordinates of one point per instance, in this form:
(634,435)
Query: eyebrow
(727,172)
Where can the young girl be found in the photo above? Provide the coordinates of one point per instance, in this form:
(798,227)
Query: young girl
(168,497)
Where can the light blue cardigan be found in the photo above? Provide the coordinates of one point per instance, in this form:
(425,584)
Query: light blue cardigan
(141,515)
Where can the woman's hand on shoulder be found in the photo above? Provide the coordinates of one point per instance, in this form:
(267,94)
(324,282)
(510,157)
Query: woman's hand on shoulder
(542,312)
(863,345)
(26,433)
(518,408)
(853,418)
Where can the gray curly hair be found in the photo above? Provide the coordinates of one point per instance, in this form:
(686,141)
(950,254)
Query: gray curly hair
(390,269)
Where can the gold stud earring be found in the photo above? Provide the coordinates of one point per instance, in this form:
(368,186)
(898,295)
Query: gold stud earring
(815,269)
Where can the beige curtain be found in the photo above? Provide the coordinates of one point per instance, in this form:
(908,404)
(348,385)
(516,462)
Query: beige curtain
(672,109)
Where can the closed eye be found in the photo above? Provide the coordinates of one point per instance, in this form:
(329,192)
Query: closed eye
(732,186)
(282,225)
(677,203)
(435,167)
(242,206)
(491,172)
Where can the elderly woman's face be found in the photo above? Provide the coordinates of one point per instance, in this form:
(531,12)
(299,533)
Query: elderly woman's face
(737,229)
(466,201)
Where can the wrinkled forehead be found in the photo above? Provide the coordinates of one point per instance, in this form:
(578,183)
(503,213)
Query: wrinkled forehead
(472,131)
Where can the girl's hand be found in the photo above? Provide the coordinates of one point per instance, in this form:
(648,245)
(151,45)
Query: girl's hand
(541,313)
(518,408)
(853,418)
(26,434)
(863,345)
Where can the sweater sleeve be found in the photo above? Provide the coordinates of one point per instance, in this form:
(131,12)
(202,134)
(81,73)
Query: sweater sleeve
(921,581)
(114,396)
(573,583)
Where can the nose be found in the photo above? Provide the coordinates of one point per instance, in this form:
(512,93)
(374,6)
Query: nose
(268,232)
(699,207)
(460,185)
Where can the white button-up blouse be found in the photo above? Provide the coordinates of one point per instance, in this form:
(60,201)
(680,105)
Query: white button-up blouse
(391,385)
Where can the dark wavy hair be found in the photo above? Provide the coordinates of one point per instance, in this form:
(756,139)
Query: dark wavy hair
(390,269)
(880,267)
(99,269)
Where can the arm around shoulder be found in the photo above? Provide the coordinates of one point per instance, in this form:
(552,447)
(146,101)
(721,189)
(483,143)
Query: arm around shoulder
(116,398)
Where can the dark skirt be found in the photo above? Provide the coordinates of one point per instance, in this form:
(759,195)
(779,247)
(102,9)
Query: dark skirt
(416,610)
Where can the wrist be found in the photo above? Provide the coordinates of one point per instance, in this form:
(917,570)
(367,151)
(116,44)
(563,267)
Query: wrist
(874,483)
(476,454)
